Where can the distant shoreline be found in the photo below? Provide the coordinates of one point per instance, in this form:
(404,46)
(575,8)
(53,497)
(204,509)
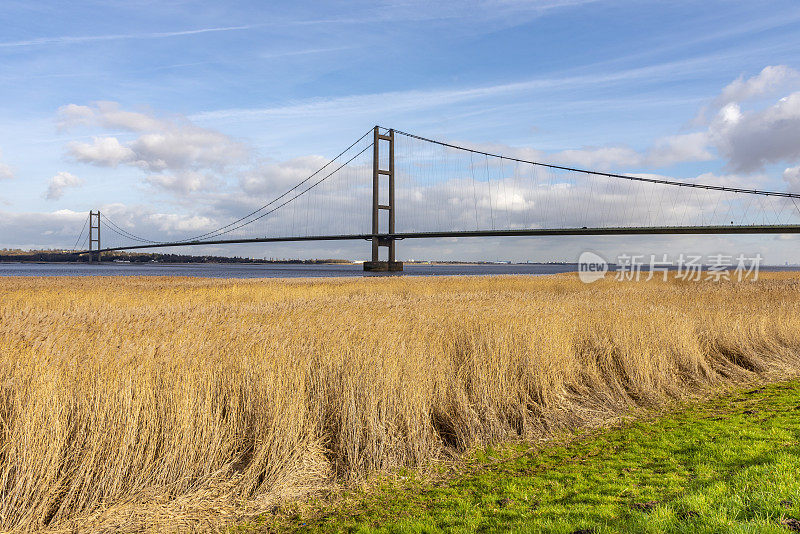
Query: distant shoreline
(66,257)
(63,257)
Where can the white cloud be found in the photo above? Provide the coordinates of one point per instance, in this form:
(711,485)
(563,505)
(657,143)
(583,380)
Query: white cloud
(751,139)
(182,181)
(175,153)
(665,152)
(41,230)
(678,149)
(792,177)
(109,115)
(771,79)
(59,182)
(170,222)
(74,115)
(598,158)
(142,221)
(102,151)
(269,177)
(188,147)
(6,173)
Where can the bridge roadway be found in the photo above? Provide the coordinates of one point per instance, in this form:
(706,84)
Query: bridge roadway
(634,230)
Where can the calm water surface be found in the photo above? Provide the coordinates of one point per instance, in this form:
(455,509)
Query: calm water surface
(245,270)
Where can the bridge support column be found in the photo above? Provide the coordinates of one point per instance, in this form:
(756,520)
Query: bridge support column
(382,240)
(94,236)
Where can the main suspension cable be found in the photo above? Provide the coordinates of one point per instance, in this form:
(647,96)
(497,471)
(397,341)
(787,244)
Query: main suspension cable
(125,233)
(607,174)
(227,228)
(85,222)
(268,204)
(312,186)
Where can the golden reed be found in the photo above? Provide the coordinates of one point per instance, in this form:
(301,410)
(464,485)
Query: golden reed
(164,403)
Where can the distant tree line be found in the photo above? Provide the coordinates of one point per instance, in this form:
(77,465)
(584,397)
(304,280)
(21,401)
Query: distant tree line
(59,256)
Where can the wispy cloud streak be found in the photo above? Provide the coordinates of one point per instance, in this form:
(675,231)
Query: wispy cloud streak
(42,41)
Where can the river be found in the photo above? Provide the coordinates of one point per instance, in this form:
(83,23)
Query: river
(276,270)
(271,270)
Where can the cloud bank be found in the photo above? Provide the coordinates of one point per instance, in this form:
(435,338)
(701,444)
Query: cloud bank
(176,154)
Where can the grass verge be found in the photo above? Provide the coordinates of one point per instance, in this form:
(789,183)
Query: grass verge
(730,465)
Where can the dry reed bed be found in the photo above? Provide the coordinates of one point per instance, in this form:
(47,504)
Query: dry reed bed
(130,403)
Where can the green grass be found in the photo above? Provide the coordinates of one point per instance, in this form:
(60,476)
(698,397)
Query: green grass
(728,465)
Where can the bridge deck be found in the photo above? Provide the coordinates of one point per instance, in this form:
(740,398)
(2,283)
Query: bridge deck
(653,230)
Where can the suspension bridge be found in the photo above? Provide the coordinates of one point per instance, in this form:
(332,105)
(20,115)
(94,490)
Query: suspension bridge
(391,185)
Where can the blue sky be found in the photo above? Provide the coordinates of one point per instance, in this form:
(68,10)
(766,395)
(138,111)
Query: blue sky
(206,92)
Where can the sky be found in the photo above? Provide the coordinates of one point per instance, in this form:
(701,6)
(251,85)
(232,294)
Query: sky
(177,117)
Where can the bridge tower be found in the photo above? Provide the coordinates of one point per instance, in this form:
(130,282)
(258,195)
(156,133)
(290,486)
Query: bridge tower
(378,174)
(94,236)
